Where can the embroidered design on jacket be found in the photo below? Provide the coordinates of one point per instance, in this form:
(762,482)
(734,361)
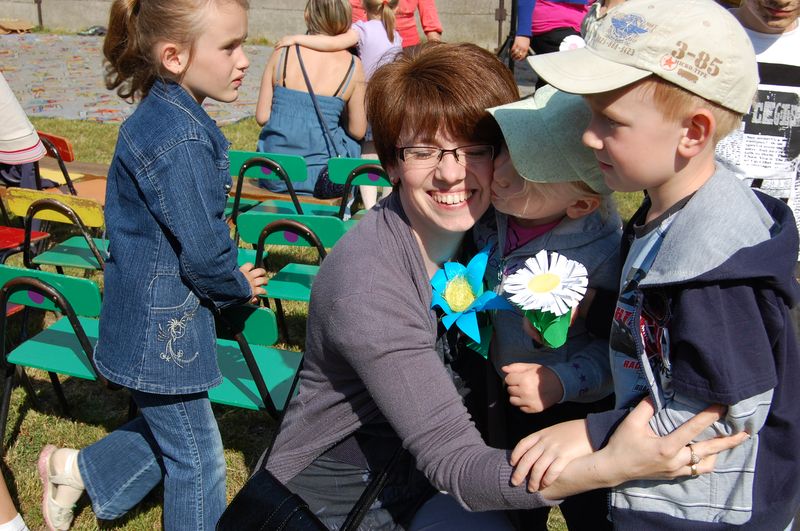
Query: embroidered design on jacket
(176,329)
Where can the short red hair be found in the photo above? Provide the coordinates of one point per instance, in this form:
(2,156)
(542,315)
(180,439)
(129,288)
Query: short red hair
(438,88)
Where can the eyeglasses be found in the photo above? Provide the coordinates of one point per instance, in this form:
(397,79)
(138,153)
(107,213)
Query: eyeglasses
(425,157)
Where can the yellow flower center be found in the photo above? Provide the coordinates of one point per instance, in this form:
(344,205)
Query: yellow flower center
(458,294)
(544,283)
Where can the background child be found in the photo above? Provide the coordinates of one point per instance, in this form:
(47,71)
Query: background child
(376,38)
(377,42)
(703,312)
(287,111)
(172,264)
(557,202)
(407,14)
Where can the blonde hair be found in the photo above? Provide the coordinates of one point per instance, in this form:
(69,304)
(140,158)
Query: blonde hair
(579,189)
(675,102)
(328,17)
(134,28)
(378,8)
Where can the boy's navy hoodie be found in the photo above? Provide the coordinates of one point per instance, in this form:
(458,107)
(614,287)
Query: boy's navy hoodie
(726,272)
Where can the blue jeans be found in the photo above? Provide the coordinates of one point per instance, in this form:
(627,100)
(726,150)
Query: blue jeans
(176,439)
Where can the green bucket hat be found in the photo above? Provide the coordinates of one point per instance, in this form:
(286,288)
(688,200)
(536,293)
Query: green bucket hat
(543,135)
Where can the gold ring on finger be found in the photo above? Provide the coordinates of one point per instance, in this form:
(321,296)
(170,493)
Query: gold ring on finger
(693,457)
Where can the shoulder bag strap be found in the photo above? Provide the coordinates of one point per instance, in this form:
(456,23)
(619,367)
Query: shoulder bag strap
(321,118)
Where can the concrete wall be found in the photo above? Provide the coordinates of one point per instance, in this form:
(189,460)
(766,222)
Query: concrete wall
(463,20)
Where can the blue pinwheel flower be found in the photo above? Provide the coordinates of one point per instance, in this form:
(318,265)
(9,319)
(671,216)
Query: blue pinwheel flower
(458,291)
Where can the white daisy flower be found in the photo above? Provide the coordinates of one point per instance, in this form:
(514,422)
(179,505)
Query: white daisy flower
(552,284)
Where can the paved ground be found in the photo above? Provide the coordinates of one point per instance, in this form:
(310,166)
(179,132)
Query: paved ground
(62,76)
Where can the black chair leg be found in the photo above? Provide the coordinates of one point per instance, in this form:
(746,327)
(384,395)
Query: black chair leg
(26,383)
(282,320)
(62,400)
(9,386)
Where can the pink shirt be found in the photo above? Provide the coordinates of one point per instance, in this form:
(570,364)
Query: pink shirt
(518,235)
(406,23)
(548,16)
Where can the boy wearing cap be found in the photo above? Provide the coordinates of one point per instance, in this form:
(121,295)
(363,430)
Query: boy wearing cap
(707,282)
(548,193)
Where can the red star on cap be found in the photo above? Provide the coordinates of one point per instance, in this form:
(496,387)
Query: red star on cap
(668,62)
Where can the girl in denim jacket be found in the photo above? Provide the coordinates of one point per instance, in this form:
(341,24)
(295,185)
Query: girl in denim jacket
(172,264)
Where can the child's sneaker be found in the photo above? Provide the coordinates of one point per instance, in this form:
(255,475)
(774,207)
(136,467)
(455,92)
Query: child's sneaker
(56,516)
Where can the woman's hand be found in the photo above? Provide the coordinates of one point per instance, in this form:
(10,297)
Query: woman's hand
(544,455)
(433,36)
(519,50)
(636,452)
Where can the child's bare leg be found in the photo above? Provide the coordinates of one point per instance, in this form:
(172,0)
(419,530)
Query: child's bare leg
(9,517)
(369,194)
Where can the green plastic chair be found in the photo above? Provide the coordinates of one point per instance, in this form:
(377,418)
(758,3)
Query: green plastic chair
(293,281)
(65,347)
(271,166)
(255,375)
(352,172)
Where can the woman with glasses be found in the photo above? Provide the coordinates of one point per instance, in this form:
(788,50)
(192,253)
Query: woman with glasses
(380,371)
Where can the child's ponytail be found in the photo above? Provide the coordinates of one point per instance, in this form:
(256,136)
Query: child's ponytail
(127,69)
(384,8)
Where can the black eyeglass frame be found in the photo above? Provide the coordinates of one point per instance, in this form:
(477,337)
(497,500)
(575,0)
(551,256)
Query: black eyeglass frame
(401,152)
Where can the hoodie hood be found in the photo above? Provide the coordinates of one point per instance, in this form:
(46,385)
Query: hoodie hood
(752,237)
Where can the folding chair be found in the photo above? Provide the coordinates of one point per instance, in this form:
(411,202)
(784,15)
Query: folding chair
(272,166)
(13,238)
(60,149)
(254,374)
(294,280)
(84,179)
(355,172)
(65,347)
(82,252)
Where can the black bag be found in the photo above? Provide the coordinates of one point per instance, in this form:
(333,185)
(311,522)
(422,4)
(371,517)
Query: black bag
(265,503)
(325,189)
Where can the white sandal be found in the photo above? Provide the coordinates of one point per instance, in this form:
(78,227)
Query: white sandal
(56,516)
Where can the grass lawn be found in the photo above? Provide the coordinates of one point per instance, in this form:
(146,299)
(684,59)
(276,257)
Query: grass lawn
(96,411)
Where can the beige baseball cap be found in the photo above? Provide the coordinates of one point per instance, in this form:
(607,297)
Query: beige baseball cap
(695,44)
(19,142)
(543,135)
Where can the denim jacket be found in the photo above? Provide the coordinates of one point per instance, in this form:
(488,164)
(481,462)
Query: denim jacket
(582,363)
(172,261)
